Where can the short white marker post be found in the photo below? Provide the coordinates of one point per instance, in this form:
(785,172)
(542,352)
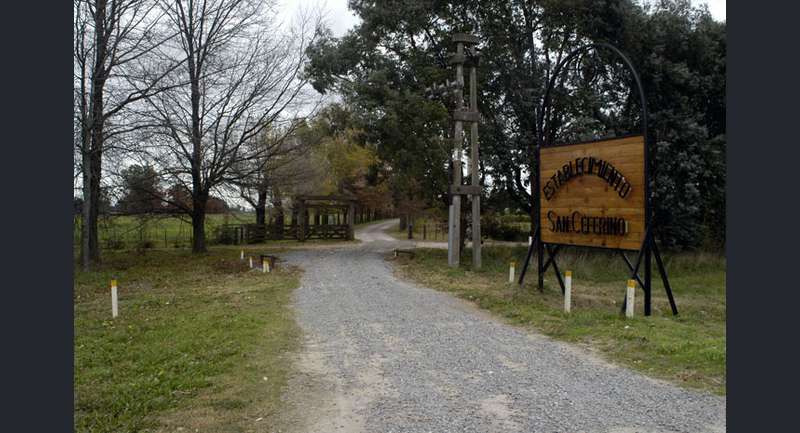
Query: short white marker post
(567,291)
(114,306)
(511,272)
(241,255)
(629,298)
(530,240)
(267,264)
(251,262)
(264,265)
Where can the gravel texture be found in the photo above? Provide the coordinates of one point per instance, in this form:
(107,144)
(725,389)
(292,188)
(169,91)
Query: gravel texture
(383,355)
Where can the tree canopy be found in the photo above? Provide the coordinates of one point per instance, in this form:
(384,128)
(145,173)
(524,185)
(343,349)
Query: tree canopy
(382,67)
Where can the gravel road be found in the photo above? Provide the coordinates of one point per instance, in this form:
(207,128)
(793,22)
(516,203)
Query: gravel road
(383,355)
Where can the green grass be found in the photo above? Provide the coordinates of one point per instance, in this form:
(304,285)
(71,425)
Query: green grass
(196,335)
(161,231)
(126,231)
(688,349)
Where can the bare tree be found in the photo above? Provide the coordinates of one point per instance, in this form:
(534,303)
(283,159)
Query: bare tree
(116,62)
(277,171)
(244,77)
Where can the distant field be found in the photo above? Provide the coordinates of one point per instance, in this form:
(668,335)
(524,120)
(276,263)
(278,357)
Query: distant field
(160,230)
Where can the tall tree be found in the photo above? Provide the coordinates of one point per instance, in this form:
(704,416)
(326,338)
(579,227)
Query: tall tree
(116,62)
(141,192)
(243,77)
(383,65)
(266,177)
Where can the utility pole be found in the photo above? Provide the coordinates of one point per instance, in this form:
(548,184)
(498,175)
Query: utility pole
(466,55)
(473,160)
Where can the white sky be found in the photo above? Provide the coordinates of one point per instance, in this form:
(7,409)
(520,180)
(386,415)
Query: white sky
(716,7)
(340,19)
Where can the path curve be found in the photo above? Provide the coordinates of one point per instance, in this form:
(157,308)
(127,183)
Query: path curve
(383,355)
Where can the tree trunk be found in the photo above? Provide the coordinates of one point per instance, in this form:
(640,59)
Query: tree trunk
(277,204)
(90,243)
(85,213)
(94,207)
(199,188)
(199,202)
(261,208)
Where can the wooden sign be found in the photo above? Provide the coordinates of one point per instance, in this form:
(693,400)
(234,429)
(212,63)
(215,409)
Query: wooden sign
(592,194)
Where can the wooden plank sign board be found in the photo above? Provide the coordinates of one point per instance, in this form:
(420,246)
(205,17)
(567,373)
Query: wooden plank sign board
(592,194)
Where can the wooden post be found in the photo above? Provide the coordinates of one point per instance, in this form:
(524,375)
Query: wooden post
(301,217)
(114,302)
(567,291)
(629,298)
(351,216)
(454,232)
(474,156)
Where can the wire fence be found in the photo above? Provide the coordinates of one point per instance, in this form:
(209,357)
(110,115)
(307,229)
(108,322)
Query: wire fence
(117,232)
(432,230)
(154,231)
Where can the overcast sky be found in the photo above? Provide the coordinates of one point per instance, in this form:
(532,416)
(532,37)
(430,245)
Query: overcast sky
(340,19)
(716,7)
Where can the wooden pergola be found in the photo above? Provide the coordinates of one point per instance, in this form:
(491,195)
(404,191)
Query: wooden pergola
(344,203)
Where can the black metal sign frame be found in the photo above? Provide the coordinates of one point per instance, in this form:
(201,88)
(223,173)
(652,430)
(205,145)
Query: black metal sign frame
(649,248)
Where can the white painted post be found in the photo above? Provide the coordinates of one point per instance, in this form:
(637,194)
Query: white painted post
(629,298)
(567,291)
(530,240)
(264,265)
(269,268)
(114,305)
(511,272)
(251,262)
(241,255)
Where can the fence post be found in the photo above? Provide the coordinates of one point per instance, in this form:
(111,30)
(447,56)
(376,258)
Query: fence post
(629,297)
(567,291)
(114,304)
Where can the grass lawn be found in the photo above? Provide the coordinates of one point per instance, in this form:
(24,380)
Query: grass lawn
(127,231)
(688,349)
(162,231)
(200,342)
